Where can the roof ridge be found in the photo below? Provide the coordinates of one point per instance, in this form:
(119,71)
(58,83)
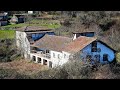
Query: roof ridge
(80,40)
(58,36)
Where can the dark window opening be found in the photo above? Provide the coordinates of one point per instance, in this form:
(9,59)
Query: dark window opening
(97,57)
(89,58)
(44,62)
(39,60)
(58,56)
(94,46)
(43,52)
(34,59)
(50,64)
(47,51)
(77,35)
(83,34)
(64,55)
(105,57)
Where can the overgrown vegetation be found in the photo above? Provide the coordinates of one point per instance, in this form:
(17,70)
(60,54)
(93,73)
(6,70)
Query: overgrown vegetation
(8,50)
(7,34)
(71,70)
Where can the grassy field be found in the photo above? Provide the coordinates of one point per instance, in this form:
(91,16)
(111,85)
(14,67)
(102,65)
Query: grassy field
(7,34)
(45,23)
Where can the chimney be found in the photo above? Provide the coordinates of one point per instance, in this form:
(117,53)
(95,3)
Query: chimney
(75,35)
(86,34)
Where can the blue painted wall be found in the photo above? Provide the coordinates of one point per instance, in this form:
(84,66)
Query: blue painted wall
(37,36)
(3,23)
(4,17)
(104,50)
(87,34)
(90,34)
(20,20)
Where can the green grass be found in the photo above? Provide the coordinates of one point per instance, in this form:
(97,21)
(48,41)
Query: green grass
(44,23)
(7,34)
(15,25)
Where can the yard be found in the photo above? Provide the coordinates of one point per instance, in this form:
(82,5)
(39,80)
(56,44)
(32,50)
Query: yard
(22,67)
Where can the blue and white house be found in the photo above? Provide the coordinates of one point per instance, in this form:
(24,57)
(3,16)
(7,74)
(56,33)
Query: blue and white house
(60,50)
(89,47)
(43,46)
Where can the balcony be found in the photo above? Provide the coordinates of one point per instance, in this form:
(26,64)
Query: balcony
(41,54)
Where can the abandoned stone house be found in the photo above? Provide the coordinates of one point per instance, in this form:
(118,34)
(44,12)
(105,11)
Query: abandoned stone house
(41,45)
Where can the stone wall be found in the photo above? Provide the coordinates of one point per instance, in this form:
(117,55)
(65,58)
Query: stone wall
(23,44)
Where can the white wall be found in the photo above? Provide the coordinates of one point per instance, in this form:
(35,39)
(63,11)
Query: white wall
(59,61)
(55,60)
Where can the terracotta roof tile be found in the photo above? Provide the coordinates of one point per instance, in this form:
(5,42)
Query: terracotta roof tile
(52,42)
(78,44)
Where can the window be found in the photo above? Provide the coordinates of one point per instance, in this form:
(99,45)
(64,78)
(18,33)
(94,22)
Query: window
(47,51)
(44,62)
(58,56)
(39,60)
(83,34)
(105,57)
(50,64)
(54,55)
(34,58)
(64,55)
(97,57)
(94,46)
(88,58)
(43,52)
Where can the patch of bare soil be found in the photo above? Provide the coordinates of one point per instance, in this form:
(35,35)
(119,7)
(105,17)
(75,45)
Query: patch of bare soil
(23,66)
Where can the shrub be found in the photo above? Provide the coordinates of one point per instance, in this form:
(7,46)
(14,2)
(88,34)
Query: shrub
(72,70)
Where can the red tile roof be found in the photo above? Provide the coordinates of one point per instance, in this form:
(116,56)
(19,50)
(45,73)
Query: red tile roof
(52,42)
(78,44)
